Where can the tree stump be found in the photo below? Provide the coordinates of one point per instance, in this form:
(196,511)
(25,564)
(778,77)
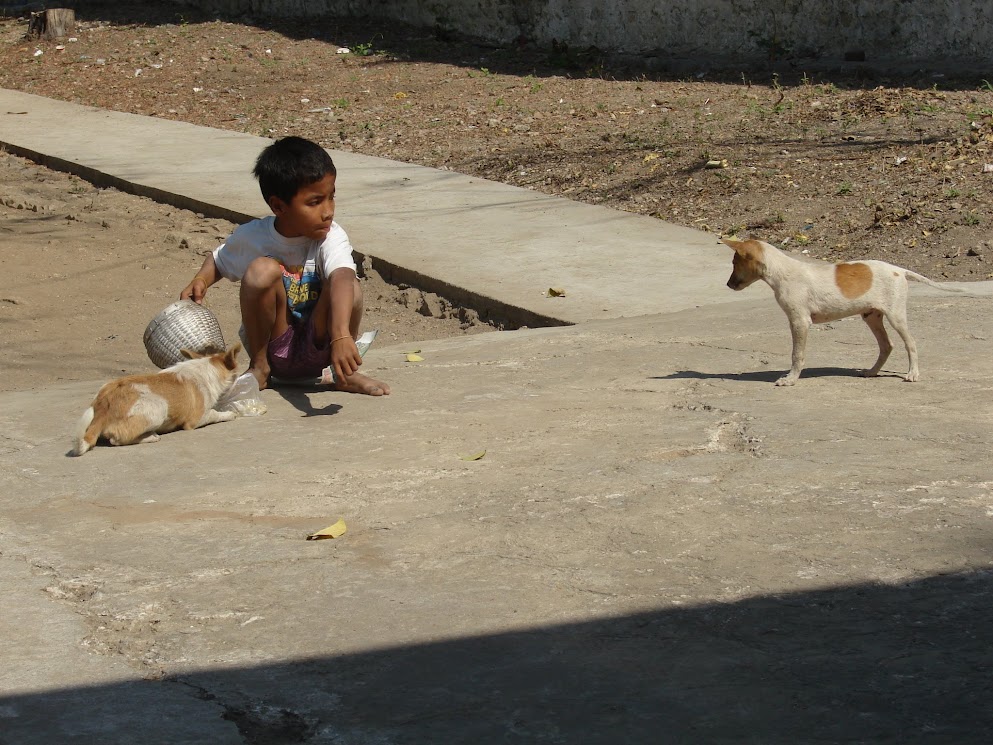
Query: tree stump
(53,23)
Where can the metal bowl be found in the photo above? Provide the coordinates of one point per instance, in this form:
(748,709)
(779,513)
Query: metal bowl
(181,325)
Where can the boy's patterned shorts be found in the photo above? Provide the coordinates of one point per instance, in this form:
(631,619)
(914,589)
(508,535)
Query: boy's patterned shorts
(297,354)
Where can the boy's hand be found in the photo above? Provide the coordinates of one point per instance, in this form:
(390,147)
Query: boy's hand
(345,357)
(195,290)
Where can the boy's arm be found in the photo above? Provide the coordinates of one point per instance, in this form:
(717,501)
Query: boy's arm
(203,279)
(345,357)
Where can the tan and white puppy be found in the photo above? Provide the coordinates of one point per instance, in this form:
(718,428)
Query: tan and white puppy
(137,408)
(815,292)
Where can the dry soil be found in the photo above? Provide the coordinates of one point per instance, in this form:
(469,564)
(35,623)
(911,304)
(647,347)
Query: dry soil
(837,164)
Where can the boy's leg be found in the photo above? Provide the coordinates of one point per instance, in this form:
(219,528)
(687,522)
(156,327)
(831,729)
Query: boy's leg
(263,312)
(356,383)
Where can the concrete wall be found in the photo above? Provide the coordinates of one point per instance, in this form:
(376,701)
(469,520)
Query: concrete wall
(956,34)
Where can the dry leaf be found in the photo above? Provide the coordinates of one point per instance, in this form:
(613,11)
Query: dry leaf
(414,358)
(474,456)
(555,292)
(332,531)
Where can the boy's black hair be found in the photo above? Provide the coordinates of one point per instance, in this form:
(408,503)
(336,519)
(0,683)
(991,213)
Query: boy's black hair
(290,163)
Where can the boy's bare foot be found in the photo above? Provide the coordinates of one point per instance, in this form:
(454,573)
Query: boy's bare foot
(359,383)
(262,376)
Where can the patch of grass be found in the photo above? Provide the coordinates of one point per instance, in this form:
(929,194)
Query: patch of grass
(535,86)
(845,188)
(952,193)
(341,103)
(782,106)
(970,219)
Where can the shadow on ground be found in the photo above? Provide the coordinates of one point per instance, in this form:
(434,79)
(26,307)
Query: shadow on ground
(771,376)
(909,663)
(300,398)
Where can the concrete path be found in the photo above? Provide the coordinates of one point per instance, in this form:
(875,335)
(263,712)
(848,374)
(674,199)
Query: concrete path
(658,545)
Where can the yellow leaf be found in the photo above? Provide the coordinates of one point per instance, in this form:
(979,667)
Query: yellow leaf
(651,156)
(399,96)
(474,456)
(555,292)
(414,358)
(332,531)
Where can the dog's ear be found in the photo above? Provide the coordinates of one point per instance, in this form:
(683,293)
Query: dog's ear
(231,356)
(747,249)
(190,354)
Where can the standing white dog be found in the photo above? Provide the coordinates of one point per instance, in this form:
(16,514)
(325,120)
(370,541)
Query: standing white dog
(137,408)
(812,292)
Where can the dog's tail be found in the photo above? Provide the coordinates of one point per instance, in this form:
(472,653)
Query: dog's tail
(921,278)
(86,433)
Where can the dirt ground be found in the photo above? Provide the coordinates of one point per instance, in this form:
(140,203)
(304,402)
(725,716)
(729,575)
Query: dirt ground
(83,270)
(844,165)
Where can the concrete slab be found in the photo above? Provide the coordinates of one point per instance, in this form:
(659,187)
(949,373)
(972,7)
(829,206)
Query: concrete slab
(658,544)
(455,234)
(657,537)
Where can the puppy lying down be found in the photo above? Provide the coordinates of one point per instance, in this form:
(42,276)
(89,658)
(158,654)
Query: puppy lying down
(138,408)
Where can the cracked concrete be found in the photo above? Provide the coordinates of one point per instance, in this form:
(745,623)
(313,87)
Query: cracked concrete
(659,544)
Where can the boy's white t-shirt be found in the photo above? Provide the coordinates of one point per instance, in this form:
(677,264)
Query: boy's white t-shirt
(306,263)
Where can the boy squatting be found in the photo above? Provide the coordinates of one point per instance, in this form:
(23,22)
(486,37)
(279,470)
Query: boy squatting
(301,303)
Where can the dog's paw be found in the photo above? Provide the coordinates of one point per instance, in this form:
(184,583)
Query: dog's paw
(912,377)
(786,380)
